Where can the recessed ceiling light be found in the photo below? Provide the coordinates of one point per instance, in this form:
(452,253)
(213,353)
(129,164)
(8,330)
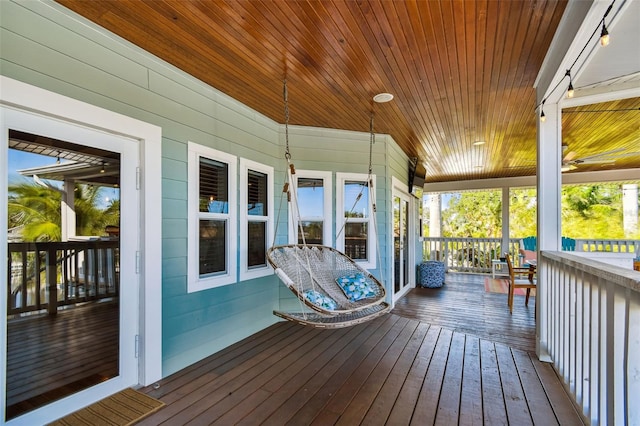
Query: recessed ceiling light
(478,143)
(382,97)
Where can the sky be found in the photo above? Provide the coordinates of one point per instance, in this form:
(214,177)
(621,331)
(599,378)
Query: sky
(20,160)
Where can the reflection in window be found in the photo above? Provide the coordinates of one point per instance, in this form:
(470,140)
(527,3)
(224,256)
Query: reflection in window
(355,240)
(355,231)
(256,244)
(214,194)
(212,247)
(256,216)
(356,199)
(311,203)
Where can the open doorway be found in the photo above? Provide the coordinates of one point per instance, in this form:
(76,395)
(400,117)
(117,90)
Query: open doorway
(72,279)
(64,269)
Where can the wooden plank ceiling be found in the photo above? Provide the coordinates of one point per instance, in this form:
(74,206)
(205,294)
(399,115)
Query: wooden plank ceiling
(460,71)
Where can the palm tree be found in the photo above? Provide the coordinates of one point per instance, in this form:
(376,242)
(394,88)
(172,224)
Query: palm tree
(37,209)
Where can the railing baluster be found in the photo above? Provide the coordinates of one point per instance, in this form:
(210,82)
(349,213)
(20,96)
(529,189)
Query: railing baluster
(52,276)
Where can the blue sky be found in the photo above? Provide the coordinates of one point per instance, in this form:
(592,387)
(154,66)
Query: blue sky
(19,160)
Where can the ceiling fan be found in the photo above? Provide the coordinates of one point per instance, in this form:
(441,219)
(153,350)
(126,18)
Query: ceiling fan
(570,161)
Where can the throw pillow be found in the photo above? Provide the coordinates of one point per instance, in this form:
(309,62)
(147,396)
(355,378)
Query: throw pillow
(320,300)
(355,287)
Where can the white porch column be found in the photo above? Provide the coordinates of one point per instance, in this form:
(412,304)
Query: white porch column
(549,180)
(630,209)
(506,201)
(68,210)
(435,215)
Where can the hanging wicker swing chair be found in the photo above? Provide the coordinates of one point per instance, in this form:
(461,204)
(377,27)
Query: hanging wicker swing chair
(334,289)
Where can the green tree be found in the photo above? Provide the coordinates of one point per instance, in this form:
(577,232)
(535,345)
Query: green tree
(523,212)
(473,214)
(37,209)
(592,211)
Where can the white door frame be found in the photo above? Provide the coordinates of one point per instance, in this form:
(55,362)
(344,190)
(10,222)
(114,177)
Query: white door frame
(20,98)
(400,189)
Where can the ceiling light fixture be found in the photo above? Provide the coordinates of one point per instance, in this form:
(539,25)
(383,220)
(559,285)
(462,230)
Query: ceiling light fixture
(58,158)
(102,169)
(543,117)
(604,35)
(382,97)
(478,143)
(570,91)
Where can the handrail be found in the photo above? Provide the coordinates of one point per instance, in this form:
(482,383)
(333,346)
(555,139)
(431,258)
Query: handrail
(466,254)
(45,275)
(589,317)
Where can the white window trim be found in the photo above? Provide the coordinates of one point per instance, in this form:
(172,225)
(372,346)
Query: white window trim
(327,202)
(341,178)
(245,166)
(195,283)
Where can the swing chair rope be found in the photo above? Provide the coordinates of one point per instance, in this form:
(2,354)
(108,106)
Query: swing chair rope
(372,140)
(290,189)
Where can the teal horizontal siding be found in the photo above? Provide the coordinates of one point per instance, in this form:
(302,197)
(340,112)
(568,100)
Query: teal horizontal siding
(44,45)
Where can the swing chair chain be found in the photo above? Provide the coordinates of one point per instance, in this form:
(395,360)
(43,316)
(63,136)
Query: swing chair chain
(372,140)
(285,95)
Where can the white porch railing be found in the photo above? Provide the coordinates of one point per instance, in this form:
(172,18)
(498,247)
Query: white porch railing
(467,254)
(590,318)
(475,254)
(613,246)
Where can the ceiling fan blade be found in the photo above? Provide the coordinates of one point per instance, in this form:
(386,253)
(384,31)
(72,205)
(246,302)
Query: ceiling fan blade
(596,161)
(603,154)
(567,168)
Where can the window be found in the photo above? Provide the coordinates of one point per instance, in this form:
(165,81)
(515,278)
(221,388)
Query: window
(355,234)
(256,218)
(212,218)
(314,203)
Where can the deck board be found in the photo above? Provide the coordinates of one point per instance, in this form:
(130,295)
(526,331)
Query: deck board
(471,391)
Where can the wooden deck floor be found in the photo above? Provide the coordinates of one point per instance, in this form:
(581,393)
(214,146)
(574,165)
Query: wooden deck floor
(399,369)
(463,305)
(50,357)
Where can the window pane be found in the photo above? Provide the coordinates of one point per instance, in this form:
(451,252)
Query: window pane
(312,232)
(214,195)
(257,244)
(257,193)
(352,190)
(213,258)
(355,240)
(310,197)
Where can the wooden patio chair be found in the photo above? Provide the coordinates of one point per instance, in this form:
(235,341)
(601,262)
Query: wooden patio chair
(516,282)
